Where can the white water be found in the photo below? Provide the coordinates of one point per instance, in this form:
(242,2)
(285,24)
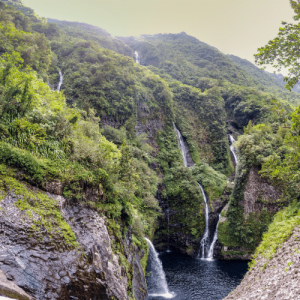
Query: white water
(204,241)
(61,79)
(137,58)
(158,276)
(233,149)
(210,255)
(181,145)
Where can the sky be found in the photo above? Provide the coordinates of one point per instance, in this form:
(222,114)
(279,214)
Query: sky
(235,27)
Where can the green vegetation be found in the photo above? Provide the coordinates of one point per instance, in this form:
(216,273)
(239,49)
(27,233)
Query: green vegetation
(282,51)
(184,58)
(89,33)
(110,130)
(42,210)
(47,140)
(265,81)
(279,231)
(212,181)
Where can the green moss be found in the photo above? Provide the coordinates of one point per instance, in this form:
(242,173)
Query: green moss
(37,203)
(145,258)
(11,294)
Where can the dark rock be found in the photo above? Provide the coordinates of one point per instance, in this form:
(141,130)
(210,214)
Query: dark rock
(44,269)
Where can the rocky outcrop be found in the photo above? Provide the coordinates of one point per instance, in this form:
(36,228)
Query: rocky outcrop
(110,121)
(9,288)
(258,193)
(40,266)
(257,198)
(277,278)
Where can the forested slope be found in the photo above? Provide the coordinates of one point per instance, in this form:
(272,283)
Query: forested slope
(106,142)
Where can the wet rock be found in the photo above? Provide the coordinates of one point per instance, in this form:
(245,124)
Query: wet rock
(40,267)
(55,186)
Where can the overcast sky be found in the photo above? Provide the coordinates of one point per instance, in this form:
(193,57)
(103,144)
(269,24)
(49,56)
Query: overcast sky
(236,27)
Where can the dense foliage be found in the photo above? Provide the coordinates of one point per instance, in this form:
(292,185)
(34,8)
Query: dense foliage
(283,50)
(110,130)
(47,140)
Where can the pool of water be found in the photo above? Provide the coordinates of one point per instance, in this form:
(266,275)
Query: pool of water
(193,279)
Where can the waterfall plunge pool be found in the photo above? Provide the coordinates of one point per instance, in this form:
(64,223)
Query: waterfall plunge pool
(196,279)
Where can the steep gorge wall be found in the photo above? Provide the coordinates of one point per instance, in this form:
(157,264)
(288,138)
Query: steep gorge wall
(46,268)
(255,202)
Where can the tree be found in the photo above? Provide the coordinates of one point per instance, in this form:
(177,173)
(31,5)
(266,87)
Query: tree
(284,50)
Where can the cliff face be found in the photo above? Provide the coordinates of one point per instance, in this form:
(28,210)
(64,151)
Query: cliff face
(258,193)
(257,203)
(44,266)
(277,278)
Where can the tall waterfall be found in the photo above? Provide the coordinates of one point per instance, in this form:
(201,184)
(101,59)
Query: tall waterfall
(137,58)
(233,149)
(205,239)
(181,146)
(157,281)
(61,78)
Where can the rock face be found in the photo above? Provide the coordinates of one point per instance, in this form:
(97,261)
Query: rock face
(9,288)
(258,193)
(36,267)
(257,196)
(277,278)
(166,238)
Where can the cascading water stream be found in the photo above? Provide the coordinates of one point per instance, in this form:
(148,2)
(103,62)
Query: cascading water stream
(205,239)
(157,281)
(61,78)
(137,58)
(181,146)
(233,149)
(210,255)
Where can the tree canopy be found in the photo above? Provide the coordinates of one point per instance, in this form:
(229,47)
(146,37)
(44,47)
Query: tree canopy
(283,51)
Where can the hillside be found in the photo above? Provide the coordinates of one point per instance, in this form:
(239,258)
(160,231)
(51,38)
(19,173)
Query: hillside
(188,60)
(265,80)
(280,79)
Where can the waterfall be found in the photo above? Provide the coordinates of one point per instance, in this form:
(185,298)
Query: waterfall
(204,241)
(137,58)
(206,248)
(212,246)
(233,149)
(157,280)
(181,146)
(61,78)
